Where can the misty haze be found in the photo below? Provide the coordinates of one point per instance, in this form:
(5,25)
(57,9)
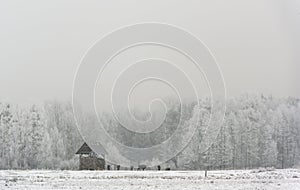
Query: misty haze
(150,94)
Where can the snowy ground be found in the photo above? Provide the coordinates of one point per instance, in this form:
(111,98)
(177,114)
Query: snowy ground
(251,179)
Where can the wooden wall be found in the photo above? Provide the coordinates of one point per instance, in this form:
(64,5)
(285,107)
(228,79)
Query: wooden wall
(91,163)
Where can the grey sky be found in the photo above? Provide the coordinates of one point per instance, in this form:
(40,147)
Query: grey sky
(256,42)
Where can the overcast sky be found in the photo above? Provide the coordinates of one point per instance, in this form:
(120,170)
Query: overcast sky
(256,42)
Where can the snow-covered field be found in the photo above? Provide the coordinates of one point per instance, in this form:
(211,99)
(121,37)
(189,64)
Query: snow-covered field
(288,179)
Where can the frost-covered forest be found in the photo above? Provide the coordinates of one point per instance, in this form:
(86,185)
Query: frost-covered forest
(258,131)
(38,137)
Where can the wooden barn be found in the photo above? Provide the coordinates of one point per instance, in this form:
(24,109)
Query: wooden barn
(89,160)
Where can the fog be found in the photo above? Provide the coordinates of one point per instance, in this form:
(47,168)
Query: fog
(256,43)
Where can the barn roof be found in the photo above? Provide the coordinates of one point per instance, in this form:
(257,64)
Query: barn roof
(85,149)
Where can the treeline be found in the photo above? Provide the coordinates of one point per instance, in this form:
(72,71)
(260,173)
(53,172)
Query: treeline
(38,137)
(258,131)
